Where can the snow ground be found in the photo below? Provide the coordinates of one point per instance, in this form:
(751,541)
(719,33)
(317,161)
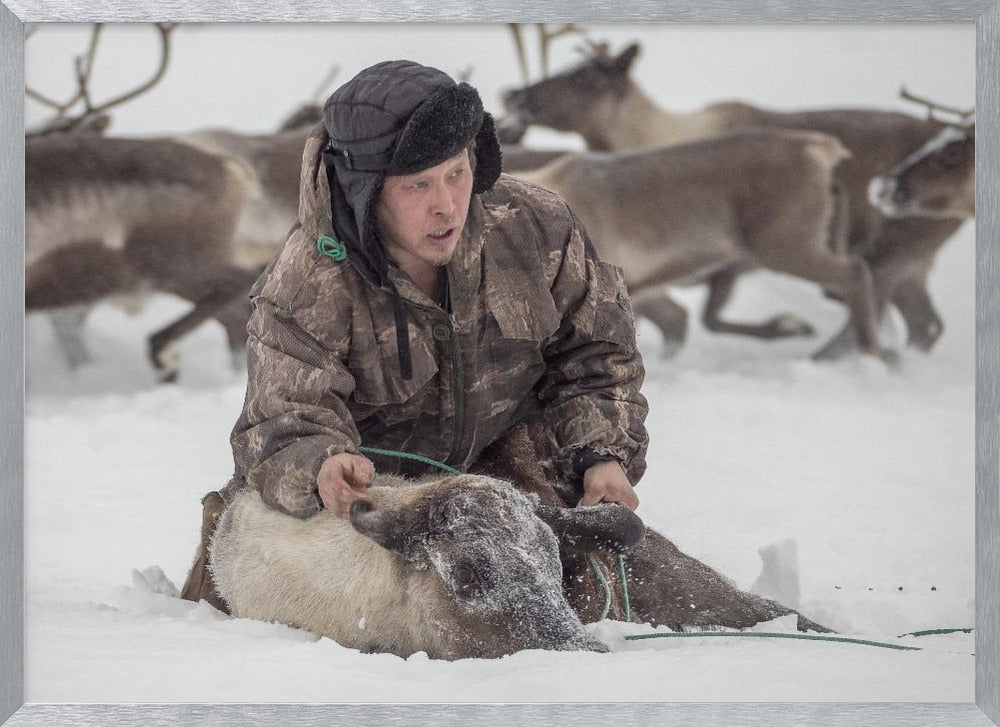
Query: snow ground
(870,473)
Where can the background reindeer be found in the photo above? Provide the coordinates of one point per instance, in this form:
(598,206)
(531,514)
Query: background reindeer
(689,211)
(598,100)
(107,218)
(939,180)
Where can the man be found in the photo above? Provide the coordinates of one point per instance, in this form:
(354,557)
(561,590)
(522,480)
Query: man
(425,303)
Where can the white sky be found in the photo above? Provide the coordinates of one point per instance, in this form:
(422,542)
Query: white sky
(248,77)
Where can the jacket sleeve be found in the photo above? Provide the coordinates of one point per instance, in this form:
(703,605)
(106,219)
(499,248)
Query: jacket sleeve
(295,414)
(590,393)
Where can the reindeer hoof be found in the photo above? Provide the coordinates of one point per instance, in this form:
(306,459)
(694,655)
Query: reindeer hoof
(164,360)
(891,358)
(805,624)
(788,326)
(671,347)
(924,340)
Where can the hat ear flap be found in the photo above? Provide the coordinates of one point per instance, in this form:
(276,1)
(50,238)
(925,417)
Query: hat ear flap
(489,158)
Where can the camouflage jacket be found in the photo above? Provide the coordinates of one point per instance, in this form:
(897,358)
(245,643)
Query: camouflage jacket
(538,327)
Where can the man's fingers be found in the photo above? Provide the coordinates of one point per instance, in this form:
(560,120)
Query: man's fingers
(621,496)
(362,471)
(342,479)
(342,500)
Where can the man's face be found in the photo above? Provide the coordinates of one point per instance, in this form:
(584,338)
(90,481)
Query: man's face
(421,216)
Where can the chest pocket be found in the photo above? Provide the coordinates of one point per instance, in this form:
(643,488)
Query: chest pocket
(525,317)
(374,363)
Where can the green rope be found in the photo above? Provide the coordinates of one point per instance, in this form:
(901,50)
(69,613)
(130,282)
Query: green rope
(625,599)
(331,248)
(678,634)
(604,583)
(407,455)
(767,635)
(935,632)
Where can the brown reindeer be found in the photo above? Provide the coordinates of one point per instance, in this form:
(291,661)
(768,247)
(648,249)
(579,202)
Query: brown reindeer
(687,212)
(938,180)
(110,217)
(598,100)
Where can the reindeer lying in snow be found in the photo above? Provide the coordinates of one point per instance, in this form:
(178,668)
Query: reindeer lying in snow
(456,567)
(693,212)
(598,99)
(461,566)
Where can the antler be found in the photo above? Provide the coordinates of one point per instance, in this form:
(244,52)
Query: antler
(933,106)
(595,48)
(83,67)
(546,36)
(522,61)
(328,79)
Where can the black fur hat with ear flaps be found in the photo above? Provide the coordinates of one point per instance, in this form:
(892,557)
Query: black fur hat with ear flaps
(397,117)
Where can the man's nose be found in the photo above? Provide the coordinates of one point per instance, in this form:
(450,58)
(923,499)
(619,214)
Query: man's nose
(441,201)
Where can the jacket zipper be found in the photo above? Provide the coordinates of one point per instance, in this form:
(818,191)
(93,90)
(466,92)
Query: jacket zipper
(459,390)
(459,387)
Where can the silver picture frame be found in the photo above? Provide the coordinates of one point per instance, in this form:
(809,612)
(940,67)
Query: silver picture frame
(985,14)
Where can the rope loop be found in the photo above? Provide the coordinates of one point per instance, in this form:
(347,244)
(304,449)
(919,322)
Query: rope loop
(331,248)
(407,455)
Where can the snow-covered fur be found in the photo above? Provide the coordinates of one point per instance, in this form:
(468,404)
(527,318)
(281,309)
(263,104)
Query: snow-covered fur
(456,567)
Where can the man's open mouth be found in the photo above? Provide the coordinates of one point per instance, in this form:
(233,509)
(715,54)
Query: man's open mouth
(441,235)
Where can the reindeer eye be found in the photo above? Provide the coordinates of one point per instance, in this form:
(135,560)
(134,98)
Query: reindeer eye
(465,575)
(952,155)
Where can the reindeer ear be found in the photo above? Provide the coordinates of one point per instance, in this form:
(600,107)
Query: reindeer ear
(623,61)
(599,527)
(396,529)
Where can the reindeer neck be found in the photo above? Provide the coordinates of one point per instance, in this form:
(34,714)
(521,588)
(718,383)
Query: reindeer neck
(638,122)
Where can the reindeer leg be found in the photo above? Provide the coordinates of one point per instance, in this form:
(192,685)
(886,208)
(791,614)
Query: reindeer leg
(900,256)
(852,278)
(720,288)
(924,326)
(234,319)
(68,324)
(225,293)
(66,283)
(666,314)
(670,588)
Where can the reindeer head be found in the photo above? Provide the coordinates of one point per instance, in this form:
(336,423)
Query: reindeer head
(566,100)
(938,180)
(495,554)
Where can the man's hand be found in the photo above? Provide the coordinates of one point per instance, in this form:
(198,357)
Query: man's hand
(606,482)
(342,479)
